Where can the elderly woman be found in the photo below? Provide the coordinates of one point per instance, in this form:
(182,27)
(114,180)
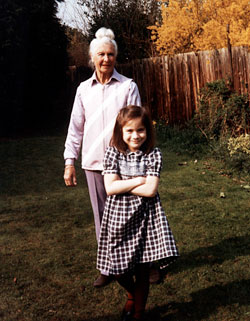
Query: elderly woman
(97,103)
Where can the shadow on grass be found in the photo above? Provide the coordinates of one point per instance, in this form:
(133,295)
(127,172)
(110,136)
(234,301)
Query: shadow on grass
(204,302)
(228,249)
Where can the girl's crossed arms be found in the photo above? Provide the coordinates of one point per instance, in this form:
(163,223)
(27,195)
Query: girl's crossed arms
(140,185)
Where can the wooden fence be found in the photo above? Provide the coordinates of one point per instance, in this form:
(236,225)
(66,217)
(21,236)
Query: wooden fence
(170,85)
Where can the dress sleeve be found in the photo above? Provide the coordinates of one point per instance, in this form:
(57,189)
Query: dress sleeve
(110,162)
(154,165)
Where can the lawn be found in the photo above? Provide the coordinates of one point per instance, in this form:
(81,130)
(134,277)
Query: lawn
(48,246)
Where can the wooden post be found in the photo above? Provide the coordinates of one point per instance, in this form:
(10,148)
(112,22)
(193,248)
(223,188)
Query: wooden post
(229,47)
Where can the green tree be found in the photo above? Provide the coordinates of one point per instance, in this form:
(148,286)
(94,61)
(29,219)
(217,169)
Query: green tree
(129,21)
(33,62)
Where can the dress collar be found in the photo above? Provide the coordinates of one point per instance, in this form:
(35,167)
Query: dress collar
(137,153)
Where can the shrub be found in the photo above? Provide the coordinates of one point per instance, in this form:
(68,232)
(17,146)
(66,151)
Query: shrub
(239,144)
(239,151)
(222,112)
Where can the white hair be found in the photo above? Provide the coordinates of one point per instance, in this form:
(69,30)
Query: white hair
(102,36)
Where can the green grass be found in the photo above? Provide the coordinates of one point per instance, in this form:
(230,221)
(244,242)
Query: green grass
(48,246)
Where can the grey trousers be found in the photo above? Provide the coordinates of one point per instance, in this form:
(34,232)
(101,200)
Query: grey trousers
(97,195)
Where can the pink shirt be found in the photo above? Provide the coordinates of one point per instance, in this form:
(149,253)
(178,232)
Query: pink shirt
(93,117)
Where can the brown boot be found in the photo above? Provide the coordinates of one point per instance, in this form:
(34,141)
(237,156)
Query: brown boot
(102,280)
(128,310)
(154,276)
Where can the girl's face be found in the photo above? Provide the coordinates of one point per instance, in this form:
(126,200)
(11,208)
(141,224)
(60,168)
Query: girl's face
(134,134)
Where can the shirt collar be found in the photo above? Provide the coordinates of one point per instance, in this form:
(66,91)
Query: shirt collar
(115,76)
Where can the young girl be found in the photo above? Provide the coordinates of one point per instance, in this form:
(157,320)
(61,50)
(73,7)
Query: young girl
(134,230)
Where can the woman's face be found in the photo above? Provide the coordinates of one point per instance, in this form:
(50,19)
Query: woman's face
(104,59)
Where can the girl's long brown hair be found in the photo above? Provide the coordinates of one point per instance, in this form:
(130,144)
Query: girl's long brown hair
(126,114)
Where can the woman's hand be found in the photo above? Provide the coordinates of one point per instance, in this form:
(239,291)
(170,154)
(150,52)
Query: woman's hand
(70,176)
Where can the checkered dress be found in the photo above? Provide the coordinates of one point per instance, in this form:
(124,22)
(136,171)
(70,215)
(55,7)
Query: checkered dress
(134,229)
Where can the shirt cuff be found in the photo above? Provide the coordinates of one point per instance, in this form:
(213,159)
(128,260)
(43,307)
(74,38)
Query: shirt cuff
(69,161)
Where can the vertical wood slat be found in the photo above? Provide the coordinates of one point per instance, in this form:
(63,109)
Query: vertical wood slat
(170,85)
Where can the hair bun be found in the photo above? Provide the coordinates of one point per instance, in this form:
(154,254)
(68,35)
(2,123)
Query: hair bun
(104,32)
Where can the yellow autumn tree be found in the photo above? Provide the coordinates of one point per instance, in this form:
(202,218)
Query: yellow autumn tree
(192,25)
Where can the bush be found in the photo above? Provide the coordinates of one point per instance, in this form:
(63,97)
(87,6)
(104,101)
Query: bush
(239,144)
(219,127)
(239,151)
(222,112)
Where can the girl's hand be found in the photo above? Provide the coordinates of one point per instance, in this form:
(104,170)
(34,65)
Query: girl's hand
(115,185)
(70,176)
(141,180)
(147,189)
